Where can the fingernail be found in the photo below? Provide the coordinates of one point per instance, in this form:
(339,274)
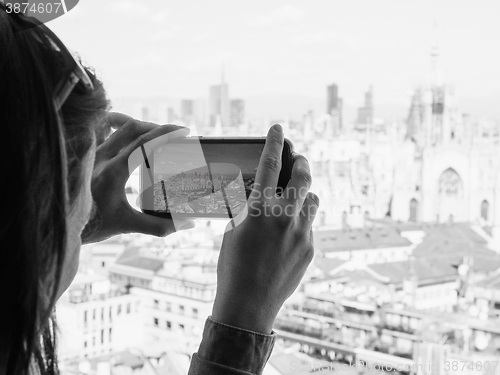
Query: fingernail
(315,198)
(278,128)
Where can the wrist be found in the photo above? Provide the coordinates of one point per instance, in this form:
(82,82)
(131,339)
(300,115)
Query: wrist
(252,318)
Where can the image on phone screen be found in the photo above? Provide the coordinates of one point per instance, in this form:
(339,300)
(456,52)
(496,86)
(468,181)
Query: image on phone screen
(216,184)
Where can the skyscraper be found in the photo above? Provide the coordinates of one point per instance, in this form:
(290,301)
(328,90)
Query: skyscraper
(219,104)
(365,113)
(334,107)
(332,101)
(237,112)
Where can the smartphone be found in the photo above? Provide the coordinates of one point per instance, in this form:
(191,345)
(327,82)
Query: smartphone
(204,177)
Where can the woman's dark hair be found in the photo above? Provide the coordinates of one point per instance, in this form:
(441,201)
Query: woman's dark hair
(40,154)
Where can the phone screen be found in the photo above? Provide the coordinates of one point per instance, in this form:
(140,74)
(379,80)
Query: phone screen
(216,181)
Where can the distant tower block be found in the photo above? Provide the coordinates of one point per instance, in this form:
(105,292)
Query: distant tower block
(219,103)
(334,107)
(365,113)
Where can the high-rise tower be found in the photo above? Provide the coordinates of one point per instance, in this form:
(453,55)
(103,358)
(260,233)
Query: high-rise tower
(219,103)
(365,113)
(334,106)
(332,95)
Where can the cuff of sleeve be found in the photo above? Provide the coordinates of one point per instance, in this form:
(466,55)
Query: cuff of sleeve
(201,367)
(234,347)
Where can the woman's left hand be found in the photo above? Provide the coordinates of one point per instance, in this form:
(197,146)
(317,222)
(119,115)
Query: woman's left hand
(114,215)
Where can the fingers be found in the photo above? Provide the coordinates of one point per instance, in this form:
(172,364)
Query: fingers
(125,134)
(300,182)
(147,224)
(128,132)
(309,210)
(134,155)
(117,120)
(270,162)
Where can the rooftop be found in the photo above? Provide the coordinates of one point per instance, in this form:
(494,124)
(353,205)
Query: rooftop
(327,265)
(452,244)
(425,270)
(147,263)
(490,282)
(359,239)
(457,231)
(461,231)
(198,279)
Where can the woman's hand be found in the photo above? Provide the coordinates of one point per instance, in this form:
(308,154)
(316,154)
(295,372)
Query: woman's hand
(263,259)
(113,214)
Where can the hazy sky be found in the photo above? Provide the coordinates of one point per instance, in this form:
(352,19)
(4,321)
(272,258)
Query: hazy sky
(280,55)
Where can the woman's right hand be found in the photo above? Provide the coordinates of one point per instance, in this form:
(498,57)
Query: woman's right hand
(263,259)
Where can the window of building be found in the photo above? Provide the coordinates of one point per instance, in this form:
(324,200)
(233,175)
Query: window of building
(93,314)
(128,308)
(118,309)
(181,326)
(195,312)
(168,306)
(450,183)
(169,325)
(110,332)
(102,336)
(181,309)
(414,210)
(85,317)
(155,322)
(156,303)
(485,208)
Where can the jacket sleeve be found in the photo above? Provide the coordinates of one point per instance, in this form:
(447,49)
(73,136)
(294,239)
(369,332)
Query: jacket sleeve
(227,350)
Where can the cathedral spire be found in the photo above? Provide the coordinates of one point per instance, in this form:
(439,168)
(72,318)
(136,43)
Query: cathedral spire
(435,76)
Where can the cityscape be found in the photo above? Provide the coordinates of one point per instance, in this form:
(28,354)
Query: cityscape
(204,178)
(201,192)
(406,273)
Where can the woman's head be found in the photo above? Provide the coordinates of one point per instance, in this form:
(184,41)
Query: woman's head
(47,158)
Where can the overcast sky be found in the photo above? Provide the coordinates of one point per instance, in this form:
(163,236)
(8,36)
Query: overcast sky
(288,51)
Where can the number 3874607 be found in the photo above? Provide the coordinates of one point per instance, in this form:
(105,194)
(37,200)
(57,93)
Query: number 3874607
(34,7)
